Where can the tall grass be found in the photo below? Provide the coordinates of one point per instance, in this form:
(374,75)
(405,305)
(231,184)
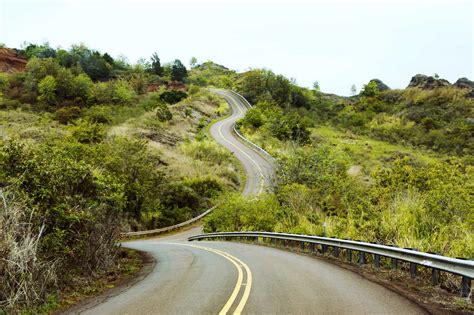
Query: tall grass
(206,150)
(25,279)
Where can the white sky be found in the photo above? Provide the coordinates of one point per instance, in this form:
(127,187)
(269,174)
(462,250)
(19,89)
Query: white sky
(337,43)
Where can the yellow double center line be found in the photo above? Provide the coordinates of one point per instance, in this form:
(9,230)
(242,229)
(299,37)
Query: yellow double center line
(240,279)
(261,182)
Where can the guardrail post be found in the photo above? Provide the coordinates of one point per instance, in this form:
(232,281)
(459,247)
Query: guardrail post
(394,263)
(349,255)
(413,270)
(361,258)
(434,276)
(311,247)
(273,241)
(256,239)
(377,261)
(465,286)
(336,251)
(302,246)
(324,248)
(282,243)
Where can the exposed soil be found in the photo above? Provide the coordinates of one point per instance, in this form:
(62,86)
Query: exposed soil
(11,61)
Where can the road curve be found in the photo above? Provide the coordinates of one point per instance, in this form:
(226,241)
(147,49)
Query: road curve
(259,172)
(232,278)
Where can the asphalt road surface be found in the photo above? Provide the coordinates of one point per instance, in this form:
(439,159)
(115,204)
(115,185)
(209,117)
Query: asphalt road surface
(259,171)
(234,278)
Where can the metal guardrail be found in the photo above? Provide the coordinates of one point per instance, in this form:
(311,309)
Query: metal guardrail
(168,228)
(253,145)
(437,263)
(243,99)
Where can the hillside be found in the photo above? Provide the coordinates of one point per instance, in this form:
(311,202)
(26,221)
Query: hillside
(91,146)
(11,60)
(386,166)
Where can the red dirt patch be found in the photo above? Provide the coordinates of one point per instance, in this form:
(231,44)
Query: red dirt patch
(11,61)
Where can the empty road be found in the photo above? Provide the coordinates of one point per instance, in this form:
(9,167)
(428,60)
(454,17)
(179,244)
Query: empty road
(233,278)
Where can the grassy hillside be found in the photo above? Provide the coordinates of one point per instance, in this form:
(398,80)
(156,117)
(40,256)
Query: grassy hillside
(392,167)
(91,148)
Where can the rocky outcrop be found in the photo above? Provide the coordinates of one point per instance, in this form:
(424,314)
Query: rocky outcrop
(470,94)
(380,85)
(425,82)
(11,61)
(464,83)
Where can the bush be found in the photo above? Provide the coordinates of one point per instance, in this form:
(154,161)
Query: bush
(208,187)
(254,117)
(173,96)
(47,90)
(98,114)
(151,101)
(238,213)
(163,113)
(70,199)
(290,126)
(112,92)
(88,132)
(68,114)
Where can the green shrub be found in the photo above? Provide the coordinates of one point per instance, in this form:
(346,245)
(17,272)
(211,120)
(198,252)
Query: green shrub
(173,96)
(151,101)
(47,90)
(163,113)
(238,213)
(98,114)
(68,114)
(88,132)
(208,187)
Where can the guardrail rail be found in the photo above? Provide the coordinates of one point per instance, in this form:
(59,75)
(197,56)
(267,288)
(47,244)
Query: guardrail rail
(437,263)
(168,228)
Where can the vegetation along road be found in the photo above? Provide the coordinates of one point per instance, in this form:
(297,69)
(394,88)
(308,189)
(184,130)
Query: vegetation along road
(230,278)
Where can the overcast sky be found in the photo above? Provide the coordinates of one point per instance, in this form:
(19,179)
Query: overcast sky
(337,43)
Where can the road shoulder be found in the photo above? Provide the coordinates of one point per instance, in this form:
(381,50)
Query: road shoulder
(147,265)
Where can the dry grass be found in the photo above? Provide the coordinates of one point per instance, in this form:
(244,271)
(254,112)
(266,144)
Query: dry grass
(24,277)
(176,143)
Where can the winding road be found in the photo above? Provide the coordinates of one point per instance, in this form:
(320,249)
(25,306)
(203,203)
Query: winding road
(233,278)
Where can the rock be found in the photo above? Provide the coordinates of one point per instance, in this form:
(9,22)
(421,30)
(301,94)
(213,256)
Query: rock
(464,83)
(470,94)
(425,82)
(380,85)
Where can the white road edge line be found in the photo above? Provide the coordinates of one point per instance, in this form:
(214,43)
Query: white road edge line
(260,173)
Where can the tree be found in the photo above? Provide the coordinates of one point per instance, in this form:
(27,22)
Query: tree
(353,89)
(47,90)
(39,51)
(316,86)
(370,89)
(178,71)
(193,62)
(156,64)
